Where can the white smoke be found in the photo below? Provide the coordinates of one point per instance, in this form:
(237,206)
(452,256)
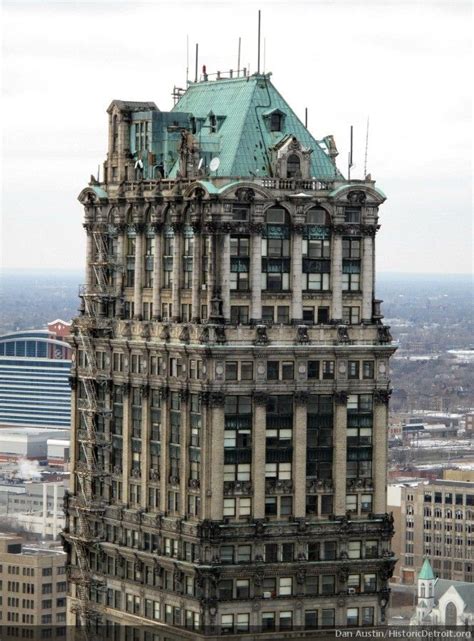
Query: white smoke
(28,470)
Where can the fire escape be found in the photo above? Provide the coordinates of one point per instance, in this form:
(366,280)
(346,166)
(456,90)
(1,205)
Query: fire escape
(90,473)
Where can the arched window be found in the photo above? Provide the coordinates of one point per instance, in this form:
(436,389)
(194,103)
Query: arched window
(451,614)
(293,166)
(422,591)
(316,250)
(276,250)
(114,133)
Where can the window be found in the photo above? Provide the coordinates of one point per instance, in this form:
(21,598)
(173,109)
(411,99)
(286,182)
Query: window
(293,166)
(354,549)
(243,622)
(227,623)
(239,263)
(275,121)
(242,588)
(319,439)
(328,583)
(352,215)
(313,370)
(276,251)
(368,369)
(359,436)
(268,621)
(308,315)
(352,618)
(353,370)
(283,314)
(286,620)
(239,314)
(311,619)
(328,370)
(367,616)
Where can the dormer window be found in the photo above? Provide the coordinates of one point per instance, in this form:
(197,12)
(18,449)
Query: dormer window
(275,121)
(193,125)
(293,166)
(212,124)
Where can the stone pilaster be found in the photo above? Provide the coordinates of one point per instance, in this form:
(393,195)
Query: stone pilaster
(145,464)
(216,410)
(197,276)
(256,275)
(127,449)
(297,274)
(157,262)
(336,276)
(184,447)
(379,456)
(89,258)
(299,456)
(340,452)
(164,463)
(177,271)
(211,280)
(225,275)
(138,284)
(367,277)
(259,456)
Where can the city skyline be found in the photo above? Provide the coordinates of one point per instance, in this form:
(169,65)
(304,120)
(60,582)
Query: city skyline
(416,120)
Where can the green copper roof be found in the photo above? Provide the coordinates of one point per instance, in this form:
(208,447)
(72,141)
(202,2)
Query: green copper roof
(426,572)
(242,108)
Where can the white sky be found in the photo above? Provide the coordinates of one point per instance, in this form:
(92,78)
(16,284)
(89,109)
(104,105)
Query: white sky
(405,63)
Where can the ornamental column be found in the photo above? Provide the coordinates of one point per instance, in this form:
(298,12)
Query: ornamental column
(197,274)
(157,261)
(184,451)
(367,274)
(177,271)
(256,272)
(138,282)
(339,464)
(126,442)
(297,273)
(225,274)
(336,275)
(145,438)
(164,451)
(259,454)
(209,239)
(299,454)
(216,411)
(379,454)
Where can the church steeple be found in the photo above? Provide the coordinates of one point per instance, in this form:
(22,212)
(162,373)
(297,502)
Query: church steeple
(426,586)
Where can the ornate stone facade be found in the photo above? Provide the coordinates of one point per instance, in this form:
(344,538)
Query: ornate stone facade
(230,399)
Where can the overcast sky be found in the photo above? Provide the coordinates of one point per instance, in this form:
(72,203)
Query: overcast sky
(406,64)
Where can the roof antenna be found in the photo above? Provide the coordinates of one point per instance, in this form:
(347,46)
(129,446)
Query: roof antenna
(238,59)
(366,148)
(258,44)
(264,53)
(349,162)
(196,66)
(187,60)
(306,117)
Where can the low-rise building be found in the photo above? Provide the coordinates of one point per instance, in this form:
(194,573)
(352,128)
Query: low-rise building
(434,520)
(33,584)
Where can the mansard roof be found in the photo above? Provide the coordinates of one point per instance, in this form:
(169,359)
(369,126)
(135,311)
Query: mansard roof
(243,139)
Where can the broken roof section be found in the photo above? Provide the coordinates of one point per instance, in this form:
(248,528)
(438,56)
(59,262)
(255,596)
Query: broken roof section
(240,120)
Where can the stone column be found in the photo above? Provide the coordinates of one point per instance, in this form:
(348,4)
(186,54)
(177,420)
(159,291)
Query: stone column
(297,274)
(336,276)
(126,442)
(379,454)
(210,267)
(216,410)
(164,464)
(89,258)
(184,447)
(299,456)
(177,271)
(138,285)
(256,273)
(259,455)
(157,260)
(340,452)
(145,467)
(225,275)
(196,278)
(367,276)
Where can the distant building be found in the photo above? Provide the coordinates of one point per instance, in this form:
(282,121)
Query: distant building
(34,377)
(434,519)
(29,443)
(469,424)
(33,585)
(443,602)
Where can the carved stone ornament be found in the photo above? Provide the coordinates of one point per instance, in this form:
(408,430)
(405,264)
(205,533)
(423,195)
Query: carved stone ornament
(384,335)
(356,197)
(220,334)
(368,230)
(261,337)
(382,396)
(340,397)
(297,228)
(245,195)
(184,335)
(256,228)
(300,575)
(216,399)
(301,397)
(343,573)
(204,336)
(260,398)
(165,333)
(342,334)
(302,336)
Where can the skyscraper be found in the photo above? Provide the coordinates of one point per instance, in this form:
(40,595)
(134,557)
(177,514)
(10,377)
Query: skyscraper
(231,379)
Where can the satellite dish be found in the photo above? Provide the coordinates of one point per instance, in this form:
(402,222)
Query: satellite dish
(214,165)
(201,160)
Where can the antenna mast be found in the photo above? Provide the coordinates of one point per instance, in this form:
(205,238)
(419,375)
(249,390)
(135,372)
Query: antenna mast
(366,148)
(238,58)
(187,60)
(349,163)
(196,67)
(258,43)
